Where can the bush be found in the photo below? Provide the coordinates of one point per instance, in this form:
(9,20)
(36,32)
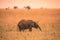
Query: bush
(15,7)
(28,7)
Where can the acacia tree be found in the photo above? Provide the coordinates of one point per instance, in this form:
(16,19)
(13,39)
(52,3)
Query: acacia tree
(15,7)
(28,7)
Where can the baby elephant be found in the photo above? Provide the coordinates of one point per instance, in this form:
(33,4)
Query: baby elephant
(27,24)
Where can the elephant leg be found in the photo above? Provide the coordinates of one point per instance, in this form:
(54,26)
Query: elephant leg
(20,30)
(30,28)
(23,30)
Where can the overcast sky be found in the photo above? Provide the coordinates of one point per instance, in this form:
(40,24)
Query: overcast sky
(32,3)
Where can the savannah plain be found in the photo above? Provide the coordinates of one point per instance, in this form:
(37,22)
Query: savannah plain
(48,20)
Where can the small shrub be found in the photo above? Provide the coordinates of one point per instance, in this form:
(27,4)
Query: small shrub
(28,7)
(15,7)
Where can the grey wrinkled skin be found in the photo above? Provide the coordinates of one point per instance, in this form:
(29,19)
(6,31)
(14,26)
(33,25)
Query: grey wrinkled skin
(27,24)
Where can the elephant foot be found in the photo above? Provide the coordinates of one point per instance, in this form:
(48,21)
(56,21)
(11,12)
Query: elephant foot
(30,29)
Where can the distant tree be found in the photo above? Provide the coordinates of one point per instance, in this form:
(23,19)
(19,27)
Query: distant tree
(15,7)
(28,7)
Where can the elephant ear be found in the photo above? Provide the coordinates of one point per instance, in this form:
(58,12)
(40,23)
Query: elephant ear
(32,24)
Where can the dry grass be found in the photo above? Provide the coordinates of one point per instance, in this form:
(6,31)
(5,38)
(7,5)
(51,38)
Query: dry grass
(48,19)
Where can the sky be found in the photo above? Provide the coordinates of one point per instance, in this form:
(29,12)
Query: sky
(31,3)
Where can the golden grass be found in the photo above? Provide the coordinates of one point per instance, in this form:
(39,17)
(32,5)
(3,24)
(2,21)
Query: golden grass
(48,19)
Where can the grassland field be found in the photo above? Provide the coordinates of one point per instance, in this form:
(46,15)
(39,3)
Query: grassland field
(48,20)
